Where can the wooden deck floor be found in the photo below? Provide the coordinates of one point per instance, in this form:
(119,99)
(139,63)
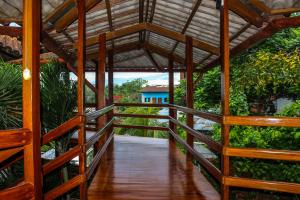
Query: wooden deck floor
(145,168)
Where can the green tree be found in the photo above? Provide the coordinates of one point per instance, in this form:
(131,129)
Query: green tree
(130,91)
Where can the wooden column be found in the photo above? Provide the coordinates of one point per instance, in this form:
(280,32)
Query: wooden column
(100,82)
(80,95)
(110,78)
(110,89)
(172,112)
(225,85)
(31,93)
(189,89)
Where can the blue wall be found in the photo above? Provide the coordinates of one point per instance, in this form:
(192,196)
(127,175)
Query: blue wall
(156,95)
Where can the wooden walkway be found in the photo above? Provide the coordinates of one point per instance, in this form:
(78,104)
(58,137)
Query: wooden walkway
(144,168)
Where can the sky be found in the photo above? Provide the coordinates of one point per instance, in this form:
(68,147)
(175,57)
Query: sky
(120,78)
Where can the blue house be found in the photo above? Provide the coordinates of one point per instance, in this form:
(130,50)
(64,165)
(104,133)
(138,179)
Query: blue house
(155,94)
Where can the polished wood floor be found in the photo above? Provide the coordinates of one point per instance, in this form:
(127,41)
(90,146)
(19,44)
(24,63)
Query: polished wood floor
(147,169)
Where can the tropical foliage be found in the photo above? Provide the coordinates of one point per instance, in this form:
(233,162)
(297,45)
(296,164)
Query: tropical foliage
(10,96)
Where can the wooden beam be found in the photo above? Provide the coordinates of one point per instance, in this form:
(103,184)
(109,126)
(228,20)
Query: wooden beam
(110,79)
(181,38)
(152,11)
(118,33)
(158,30)
(11,31)
(194,10)
(100,82)
(109,17)
(70,16)
(264,8)
(189,90)
(273,27)
(165,53)
(225,85)
(117,49)
(141,17)
(59,11)
(51,45)
(31,94)
(80,93)
(249,15)
(153,60)
(172,112)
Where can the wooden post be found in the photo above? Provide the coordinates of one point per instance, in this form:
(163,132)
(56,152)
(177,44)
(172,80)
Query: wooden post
(110,85)
(100,82)
(80,94)
(189,89)
(110,78)
(225,85)
(172,112)
(31,93)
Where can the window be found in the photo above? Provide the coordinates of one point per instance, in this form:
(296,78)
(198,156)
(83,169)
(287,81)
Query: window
(147,100)
(165,99)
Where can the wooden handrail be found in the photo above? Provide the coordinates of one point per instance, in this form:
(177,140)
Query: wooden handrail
(141,105)
(60,160)
(205,115)
(95,138)
(11,160)
(98,157)
(159,128)
(24,190)
(262,184)
(5,154)
(263,153)
(208,165)
(60,130)
(14,138)
(65,187)
(262,121)
(99,113)
(203,138)
(141,116)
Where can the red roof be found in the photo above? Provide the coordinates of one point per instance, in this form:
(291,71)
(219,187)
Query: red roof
(155,89)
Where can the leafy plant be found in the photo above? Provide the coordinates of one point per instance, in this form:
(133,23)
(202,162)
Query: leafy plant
(10,96)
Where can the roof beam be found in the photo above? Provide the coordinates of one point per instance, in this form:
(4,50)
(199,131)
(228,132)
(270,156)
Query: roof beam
(194,10)
(158,30)
(118,33)
(141,17)
(182,38)
(117,49)
(239,8)
(264,8)
(109,17)
(153,60)
(59,11)
(152,11)
(273,27)
(70,16)
(54,47)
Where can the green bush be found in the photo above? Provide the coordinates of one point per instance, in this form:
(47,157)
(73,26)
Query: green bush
(266,138)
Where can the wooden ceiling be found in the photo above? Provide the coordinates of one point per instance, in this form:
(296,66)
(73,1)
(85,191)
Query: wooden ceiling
(145,33)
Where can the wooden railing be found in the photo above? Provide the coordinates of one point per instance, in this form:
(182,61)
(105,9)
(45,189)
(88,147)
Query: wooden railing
(12,142)
(213,145)
(132,126)
(262,153)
